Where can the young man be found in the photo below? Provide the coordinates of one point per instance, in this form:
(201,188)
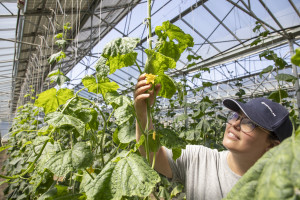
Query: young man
(252,129)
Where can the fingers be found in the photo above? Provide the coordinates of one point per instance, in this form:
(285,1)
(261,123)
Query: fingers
(142,89)
(142,77)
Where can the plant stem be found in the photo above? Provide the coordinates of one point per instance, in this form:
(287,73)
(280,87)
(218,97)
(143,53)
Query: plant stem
(149,24)
(104,128)
(113,154)
(153,160)
(138,67)
(89,174)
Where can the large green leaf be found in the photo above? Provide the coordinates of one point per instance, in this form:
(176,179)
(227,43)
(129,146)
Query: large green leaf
(59,192)
(126,132)
(77,104)
(79,157)
(57,119)
(266,70)
(101,68)
(130,176)
(117,100)
(157,63)
(119,53)
(58,77)
(88,116)
(286,77)
(174,33)
(51,99)
(117,141)
(170,139)
(168,87)
(274,176)
(170,49)
(278,95)
(123,114)
(296,57)
(100,87)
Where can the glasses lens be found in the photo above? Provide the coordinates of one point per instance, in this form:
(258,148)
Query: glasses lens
(232,117)
(247,125)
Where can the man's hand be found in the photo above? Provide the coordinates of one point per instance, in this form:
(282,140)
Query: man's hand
(141,93)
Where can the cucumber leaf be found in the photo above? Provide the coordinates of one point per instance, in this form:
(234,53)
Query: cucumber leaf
(123,114)
(286,77)
(56,57)
(168,30)
(88,116)
(168,87)
(157,63)
(266,70)
(59,192)
(117,100)
(102,69)
(99,87)
(126,132)
(296,57)
(51,99)
(79,157)
(119,53)
(278,95)
(57,120)
(130,176)
(58,77)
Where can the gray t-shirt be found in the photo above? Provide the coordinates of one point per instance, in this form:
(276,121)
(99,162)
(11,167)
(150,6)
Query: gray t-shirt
(204,172)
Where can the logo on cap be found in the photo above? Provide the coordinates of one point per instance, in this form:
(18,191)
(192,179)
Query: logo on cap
(269,108)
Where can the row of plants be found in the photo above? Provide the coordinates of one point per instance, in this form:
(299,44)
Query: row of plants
(65,146)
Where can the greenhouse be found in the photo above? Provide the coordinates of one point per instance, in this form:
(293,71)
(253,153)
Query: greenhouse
(149,99)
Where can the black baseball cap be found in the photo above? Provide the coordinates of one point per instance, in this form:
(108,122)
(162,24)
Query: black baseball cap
(265,113)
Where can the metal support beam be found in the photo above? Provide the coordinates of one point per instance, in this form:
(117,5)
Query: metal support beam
(198,33)
(295,73)
(273,17)
(221,22)
(255,17)
(295,8)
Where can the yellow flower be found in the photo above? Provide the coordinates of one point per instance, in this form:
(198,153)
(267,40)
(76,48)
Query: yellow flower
(153,136)
(150,78)
(91,170)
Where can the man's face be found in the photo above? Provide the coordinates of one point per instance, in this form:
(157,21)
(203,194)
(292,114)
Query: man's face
(253,144)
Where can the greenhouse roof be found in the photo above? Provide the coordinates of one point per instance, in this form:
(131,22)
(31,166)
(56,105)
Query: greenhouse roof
(222,32)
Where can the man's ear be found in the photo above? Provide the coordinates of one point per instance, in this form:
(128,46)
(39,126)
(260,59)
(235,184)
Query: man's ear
(272,144)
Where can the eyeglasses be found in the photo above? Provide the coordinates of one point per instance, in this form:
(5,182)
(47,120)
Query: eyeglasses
(246,124)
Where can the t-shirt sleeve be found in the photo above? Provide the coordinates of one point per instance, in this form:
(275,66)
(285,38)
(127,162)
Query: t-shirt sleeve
(177,166)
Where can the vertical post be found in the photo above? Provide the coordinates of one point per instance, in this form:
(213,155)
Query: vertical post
(185,100)
(295,73)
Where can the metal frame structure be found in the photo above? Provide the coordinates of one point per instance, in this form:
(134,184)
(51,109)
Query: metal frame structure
(92,20)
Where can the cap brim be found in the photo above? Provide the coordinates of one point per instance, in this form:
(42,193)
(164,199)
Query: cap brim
(232,104)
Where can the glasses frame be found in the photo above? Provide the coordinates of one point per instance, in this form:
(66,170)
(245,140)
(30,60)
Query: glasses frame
(241,118)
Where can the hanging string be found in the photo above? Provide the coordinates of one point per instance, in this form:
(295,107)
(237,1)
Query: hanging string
(99,39)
